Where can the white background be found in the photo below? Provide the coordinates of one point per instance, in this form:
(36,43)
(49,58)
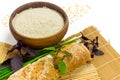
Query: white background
(104,15)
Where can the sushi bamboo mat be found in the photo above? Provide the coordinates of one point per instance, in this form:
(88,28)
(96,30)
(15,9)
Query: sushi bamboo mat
(108,65)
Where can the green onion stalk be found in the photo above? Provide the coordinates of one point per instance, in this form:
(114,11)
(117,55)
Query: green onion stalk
(6,71)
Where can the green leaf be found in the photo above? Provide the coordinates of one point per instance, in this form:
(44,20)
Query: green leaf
(67,53)
(45,50)
(62,67)
(34,59)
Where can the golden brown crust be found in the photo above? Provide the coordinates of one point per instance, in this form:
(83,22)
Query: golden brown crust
(44,69)
(21,74)
(4,47)
(80,55)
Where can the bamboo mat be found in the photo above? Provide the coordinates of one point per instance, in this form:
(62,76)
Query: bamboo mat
(84,72)
(108,65)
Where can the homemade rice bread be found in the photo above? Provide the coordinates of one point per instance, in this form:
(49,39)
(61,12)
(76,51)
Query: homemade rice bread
(44,68)
(4,47)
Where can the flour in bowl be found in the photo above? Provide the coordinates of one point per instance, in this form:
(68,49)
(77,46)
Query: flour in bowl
(38,22)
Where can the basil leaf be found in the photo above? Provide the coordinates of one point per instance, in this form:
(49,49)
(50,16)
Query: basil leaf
(62,67)
(16,62)
(98,52)
(30,51)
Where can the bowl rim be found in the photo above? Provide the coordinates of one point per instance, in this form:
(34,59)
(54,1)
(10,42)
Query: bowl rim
(44,4)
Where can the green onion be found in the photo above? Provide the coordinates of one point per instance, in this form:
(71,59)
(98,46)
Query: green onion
(5,72)
(6,75)
(35,59)
(69,41)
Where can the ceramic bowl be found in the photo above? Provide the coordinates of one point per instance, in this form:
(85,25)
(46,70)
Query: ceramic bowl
(38,43)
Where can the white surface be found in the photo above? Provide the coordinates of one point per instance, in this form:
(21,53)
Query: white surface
(104,14)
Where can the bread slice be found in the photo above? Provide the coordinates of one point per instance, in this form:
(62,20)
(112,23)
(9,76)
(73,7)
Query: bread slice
(43,69)
(4,47)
